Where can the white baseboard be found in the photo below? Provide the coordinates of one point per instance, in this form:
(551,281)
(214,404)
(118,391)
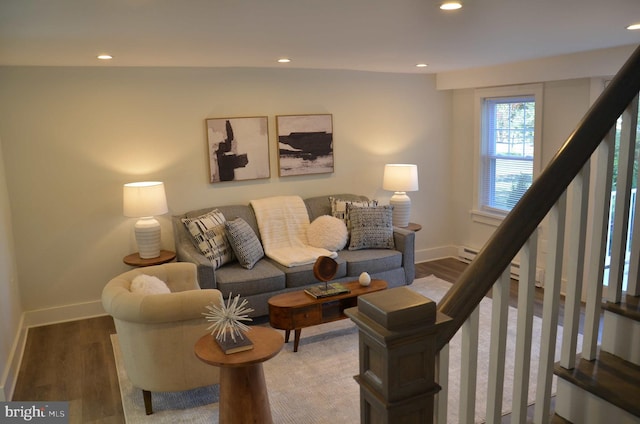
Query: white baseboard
(10,376)
(432,254)
(63,313)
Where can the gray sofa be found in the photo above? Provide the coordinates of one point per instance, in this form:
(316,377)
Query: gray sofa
(268,278)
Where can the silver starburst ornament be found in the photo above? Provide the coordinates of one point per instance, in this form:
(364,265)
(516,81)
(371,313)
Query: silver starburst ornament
(227,318)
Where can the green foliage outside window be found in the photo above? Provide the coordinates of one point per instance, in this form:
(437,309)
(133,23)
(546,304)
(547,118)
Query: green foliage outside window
(510,148)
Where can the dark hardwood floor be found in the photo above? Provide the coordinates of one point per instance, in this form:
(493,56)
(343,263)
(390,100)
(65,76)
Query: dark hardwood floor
(449,269)
(74,361)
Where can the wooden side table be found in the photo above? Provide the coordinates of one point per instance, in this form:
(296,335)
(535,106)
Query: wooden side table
(243,391)
(413,227)
(134,259)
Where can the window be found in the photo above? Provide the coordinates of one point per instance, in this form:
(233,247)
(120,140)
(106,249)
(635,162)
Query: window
(508,141)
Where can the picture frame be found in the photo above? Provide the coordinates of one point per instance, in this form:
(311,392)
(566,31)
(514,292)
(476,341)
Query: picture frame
(238,148)
(305,144)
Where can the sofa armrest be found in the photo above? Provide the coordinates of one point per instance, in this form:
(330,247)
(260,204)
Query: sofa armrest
(405,243)
(187,252)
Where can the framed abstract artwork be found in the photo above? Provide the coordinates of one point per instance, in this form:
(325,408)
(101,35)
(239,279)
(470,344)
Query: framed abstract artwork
(305,144)
(238,149)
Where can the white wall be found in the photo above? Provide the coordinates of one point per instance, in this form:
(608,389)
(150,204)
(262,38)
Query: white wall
(73,136)
(10,302)
(593,63)
(571,83)
(565,103)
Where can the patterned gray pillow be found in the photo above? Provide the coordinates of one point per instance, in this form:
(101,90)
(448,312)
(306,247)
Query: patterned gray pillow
(210,237)
(340,208)
(244,242)
(371,228)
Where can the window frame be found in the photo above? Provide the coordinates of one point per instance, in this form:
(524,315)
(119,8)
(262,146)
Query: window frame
(485,213)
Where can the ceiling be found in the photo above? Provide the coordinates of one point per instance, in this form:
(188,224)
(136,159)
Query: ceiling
(366,35)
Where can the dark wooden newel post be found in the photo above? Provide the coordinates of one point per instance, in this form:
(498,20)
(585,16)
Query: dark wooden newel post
(397,332)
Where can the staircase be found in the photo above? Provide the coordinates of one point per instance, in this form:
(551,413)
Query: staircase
(404,368)
(600,380)
(607,388)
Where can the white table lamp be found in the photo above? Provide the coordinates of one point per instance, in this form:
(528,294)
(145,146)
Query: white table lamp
(400,178)
(144,200)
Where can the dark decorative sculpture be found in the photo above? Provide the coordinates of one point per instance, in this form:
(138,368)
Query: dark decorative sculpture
(324,269)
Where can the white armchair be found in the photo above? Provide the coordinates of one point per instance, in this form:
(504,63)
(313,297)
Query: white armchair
(157,332)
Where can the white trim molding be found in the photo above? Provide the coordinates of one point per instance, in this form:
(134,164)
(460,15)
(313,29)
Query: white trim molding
(63,313)
(535,90)
(12,368)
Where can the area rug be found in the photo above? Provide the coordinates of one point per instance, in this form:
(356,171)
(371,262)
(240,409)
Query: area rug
(316,385)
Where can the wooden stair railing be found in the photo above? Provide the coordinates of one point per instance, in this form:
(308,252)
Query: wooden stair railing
(528,213)
(547,197)
(458,309)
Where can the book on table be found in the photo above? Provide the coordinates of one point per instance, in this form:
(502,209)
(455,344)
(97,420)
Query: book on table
(228,345)
(333,289)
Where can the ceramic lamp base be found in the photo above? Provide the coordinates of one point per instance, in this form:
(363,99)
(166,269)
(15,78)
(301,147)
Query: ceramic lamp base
(401,208)
(147,232)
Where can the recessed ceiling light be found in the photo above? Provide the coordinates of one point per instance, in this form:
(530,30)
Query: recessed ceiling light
(105,57)
(284,60)
(450,5)
(421,65)
(633,27)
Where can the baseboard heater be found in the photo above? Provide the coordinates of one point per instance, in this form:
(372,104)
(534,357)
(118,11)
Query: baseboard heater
(467,254)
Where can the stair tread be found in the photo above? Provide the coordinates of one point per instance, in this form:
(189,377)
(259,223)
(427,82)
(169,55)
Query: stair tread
(608,377)
(629,307)
(557,419)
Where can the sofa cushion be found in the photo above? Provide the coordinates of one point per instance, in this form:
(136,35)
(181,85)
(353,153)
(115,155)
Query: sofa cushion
(302,275)
(372,261)
(371,227)
(340,208)
(327,232)
(210,237)
(245,212)
(264,277)
(244,242)
(321,205)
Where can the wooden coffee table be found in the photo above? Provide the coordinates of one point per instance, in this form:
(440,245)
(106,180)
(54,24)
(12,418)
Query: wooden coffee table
(297,310)
(243,390)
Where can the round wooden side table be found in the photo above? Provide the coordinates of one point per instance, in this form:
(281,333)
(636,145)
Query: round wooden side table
(243,390)
(134,259)
(413,227)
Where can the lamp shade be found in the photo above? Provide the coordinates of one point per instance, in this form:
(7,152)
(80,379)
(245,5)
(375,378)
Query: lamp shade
(144,199)
(400,177)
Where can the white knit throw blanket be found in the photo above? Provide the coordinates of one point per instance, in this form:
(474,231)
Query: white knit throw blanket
(283,223)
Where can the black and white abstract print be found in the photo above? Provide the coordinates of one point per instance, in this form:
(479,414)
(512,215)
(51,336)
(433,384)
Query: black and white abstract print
(305,144)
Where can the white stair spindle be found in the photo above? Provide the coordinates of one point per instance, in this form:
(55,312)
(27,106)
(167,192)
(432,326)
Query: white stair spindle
(469,368)
(623,196)
(553,277)
(442,367)
(498,346)
(526,293)
(633,283)
(595,274)
(576,231)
